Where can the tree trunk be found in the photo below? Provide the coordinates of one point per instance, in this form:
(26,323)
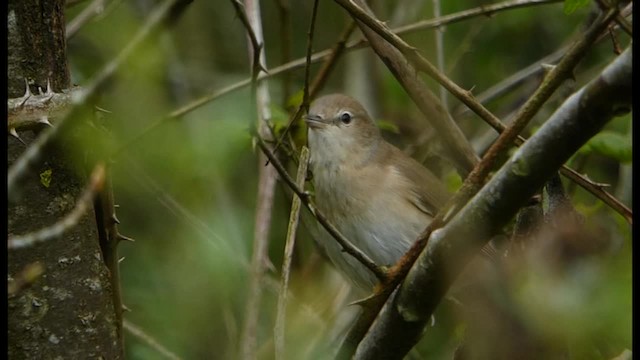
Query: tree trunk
(68,311)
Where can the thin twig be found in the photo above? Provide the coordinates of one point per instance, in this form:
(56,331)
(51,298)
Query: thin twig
(439,34)
(87,14)
(256,45)
(328,53)
(405,73)
(346,245)
(336,51)
(148,340)
(304,107)
(266,186)
(69,221)
(620,20)
(278,331)
(529,109)
(284,12)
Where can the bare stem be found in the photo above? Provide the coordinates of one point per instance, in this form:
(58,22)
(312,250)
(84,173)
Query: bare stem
(294,216)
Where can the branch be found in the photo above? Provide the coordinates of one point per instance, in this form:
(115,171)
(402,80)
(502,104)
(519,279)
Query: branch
(550,83)
(288,254)
(304,107)
(33,152)
(329,53)
(148,340)
(582,115)
(471,185)
(266,185)
(427,102)
(256,64)
(69,221)
(89,12)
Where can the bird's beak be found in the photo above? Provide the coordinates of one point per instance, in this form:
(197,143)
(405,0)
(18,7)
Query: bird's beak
(315,121)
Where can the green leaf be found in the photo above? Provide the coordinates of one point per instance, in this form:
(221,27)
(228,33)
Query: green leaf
(572,5)
(610,144)
(388,126)
(295,100)
(453,181)
(45,177)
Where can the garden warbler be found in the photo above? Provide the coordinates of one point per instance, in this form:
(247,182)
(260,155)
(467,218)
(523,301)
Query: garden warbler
(377,196)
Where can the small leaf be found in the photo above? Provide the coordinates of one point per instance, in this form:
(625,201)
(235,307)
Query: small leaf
(610,144)
(45,177)
(453,181)
(572,5)
(295,100)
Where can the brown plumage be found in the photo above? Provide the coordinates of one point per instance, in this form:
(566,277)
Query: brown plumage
(375,194)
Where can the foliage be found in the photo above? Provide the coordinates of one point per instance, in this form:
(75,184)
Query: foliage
(186,191)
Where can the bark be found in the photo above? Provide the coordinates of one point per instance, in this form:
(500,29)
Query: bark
(68,311)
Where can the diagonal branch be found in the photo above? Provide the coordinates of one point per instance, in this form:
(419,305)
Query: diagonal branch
(476,178)
(256,64)
(401,323)
(395,59)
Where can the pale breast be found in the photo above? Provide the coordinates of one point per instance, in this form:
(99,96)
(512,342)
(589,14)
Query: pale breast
(370,207)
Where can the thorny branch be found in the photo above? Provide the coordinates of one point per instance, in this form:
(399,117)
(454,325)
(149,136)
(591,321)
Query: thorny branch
(549,85)
(475,179)
(256,64)
(427,102)
(579,118)
(80,97)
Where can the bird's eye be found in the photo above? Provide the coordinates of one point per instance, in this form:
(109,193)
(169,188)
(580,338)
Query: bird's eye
(345,118)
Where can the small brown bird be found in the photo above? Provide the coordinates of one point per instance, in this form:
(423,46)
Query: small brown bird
(376,195)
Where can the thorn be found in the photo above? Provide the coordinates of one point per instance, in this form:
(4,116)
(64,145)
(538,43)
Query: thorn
(47,100)
(49,91)
(40,90)
(121,260)
(114,218)
(125,238)
(116,206)
(27,92)
(125,308)
(44,120)
(547,68)
(14,133)
(366,302)
(102,110)
(433,321)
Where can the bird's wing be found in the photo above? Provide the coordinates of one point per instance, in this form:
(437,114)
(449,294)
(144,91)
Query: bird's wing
(427,193)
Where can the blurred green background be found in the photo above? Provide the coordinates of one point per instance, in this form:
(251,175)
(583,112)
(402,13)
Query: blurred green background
(187,190)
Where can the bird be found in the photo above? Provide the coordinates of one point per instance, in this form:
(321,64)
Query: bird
(377,196)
